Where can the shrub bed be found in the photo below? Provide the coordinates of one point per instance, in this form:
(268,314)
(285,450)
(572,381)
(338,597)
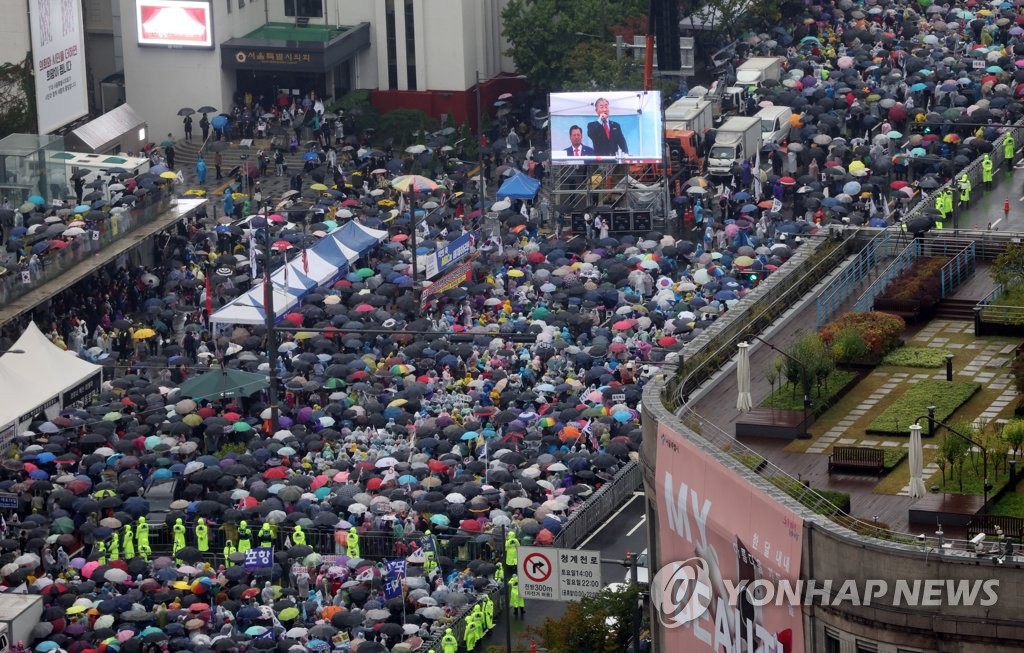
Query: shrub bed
(945,396)
(928,357)
(863,337)
(919,284)
(791,397)
(893,457)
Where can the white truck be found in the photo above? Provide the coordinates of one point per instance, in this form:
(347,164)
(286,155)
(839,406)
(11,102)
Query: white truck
(754,71)
(689,114)
(19,613)
(739,138)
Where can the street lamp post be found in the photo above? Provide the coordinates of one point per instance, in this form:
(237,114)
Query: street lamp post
(271,323)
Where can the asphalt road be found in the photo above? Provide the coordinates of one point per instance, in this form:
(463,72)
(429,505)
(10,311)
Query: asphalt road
(987,206)
(624,531)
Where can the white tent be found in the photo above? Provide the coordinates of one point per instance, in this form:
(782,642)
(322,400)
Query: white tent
(44,378)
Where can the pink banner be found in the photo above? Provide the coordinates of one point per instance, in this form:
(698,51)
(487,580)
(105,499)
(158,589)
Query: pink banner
(748,544)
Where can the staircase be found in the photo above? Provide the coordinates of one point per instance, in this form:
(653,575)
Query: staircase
(186,154)
(955,309)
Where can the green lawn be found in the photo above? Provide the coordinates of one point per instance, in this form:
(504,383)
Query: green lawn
(790,397)
(1011,505)
(927,357)
(913,404)
(973,481)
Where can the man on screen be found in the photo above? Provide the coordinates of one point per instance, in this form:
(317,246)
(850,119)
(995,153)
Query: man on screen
(605,134)
(577,148)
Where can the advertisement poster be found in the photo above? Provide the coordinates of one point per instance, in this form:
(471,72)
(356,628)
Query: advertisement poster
(175,23)
(58,52)
(742,537)
(606,127)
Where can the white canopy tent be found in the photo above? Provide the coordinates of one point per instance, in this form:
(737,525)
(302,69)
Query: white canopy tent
(44,379)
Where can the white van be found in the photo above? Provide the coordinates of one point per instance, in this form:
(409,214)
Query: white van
(774,124)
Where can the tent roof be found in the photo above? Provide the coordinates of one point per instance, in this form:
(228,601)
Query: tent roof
(324,261)
(223,384)
(29,380)
(519,186)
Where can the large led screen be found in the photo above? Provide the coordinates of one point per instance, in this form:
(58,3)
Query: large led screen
(175,23)
(606,127)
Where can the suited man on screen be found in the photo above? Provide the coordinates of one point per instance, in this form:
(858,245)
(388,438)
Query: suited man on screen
(605,134)
(576,147)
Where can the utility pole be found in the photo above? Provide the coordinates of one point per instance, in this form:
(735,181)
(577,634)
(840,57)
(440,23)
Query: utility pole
(271,325)
(479,140)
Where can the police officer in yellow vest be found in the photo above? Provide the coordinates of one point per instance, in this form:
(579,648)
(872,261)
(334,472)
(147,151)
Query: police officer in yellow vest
(179,536)
(1009,150)
(986,171)
(298,536)
(940,203)
(244,537)
(229,549)
(449,644)
(429,558)
(511,549)
(488,613)
(266,535)
(142,538)
(514,600)
(474,627)
(128,541)
(965,190)
(499,573)
(352,544)
(114,547)
(202,535)
(101,552)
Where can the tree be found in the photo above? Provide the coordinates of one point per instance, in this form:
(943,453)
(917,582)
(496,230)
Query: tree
(1013,432)
(594,66)
(602,623)
(809,363)
(953,451)
(1008,268)
(17,98)
(542,33)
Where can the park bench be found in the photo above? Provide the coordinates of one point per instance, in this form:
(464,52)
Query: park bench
(1012,527)
(856,459)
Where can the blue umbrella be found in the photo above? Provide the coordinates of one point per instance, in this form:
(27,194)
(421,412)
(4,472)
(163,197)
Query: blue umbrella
(36,199)
(918,87)
(310,156)
(877,222)
(82,208)
(741,196)
(469,435)
(748,208)
(40,247)
(407,479)
(220,122)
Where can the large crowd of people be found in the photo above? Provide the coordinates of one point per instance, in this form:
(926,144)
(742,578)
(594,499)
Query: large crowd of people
(417,443)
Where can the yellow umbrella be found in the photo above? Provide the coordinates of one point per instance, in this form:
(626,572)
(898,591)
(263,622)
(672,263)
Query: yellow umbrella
(516,273)
(75,609)
(417,183)
(743,261)
(142,334)
(192,420)
(318,187)
(168,175)
(398,403)
(304,335)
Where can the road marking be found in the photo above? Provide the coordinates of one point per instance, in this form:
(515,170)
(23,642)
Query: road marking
(638,525)
(606,522)
(996,223)
(1021,198)
(638,493)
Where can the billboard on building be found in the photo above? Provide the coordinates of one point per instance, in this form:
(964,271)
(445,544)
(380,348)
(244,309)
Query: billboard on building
(58,56)
(175,23)
(606,127)
(713,518)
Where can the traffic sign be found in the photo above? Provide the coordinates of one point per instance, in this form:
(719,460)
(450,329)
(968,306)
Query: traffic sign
(558,574)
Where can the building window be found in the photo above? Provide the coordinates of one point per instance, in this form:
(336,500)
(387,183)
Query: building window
(392,37)
(304,8)
(241,4)
(410,44)
(231,5)
(832,643)
(866,647)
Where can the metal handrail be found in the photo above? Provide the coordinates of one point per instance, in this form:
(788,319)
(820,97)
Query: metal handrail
(903,260)
(958,270)
(840,289)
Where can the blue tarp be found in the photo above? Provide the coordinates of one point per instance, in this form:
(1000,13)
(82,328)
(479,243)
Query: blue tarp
(359,238)
(519,186)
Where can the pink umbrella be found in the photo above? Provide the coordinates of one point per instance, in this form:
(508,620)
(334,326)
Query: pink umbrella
(731,230)
(364,308)
(90,567)
(845,62)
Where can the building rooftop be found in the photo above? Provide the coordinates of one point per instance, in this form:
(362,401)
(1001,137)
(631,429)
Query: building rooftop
(292,32)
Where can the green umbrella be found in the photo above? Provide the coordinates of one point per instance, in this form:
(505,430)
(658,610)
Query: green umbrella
(365,273)
(223,384)
(288,614)
(112,416)
(62,526)
(242,427)
(540,313)
(334,383)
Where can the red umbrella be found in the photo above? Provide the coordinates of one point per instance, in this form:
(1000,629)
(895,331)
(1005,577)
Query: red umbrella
(276,473)
(535,257)
(623,325)
(365,308)
(281,245)
(58,244)
(666,341)
(232,417)
(767,204)
(207,411)
(350,202)
(437,466)
(295,318)
(280,219)
(787,181)
(399,238)
(896,185)
(470,526)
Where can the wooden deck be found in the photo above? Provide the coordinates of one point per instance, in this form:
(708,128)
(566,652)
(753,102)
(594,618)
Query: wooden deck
(773,423)
(946,509)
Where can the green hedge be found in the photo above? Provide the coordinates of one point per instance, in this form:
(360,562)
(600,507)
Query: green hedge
(893,457)
(789,397)
(879,334)
(945,396)
(929,357)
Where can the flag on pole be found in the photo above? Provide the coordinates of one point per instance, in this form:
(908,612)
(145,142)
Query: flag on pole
(393,579)
(757,175)
(285,272)
(588,428)
(524,211)
(305,261)
(209,298)
(252,253)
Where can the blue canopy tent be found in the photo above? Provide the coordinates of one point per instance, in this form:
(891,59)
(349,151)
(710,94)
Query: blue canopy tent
(359,238)
(519,186)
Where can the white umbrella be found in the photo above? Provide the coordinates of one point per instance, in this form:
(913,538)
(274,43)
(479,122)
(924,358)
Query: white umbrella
(743,401)
(916,462)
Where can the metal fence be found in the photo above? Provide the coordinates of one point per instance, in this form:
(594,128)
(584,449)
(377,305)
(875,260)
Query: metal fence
(588,518)
(834,296)
(902,262)
(958,270)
